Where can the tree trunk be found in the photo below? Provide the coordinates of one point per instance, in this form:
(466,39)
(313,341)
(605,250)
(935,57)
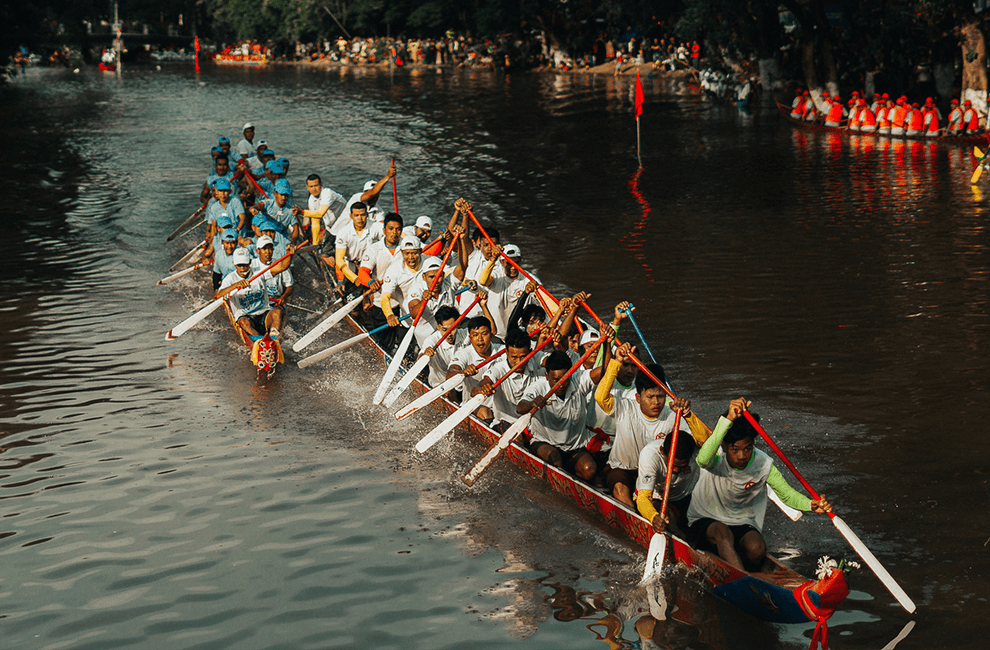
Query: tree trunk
(974,55)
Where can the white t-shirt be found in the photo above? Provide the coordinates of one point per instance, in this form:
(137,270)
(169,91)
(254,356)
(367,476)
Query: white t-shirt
(475,262)
(732,496)
(346,214)
(440,360)
(504,295)
(510,392)
(561,422)
(278,282)
(327,198)
(465,356)
(653,473)
(397,282)
(356,244)
(245,148)
(378,258)
(633,431)
(252,299)
(428,322)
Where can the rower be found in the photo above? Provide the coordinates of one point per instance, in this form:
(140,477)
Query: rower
(398,280)
(971,118)
(420,296)
(473,254)
(441,356)
(279,285)
(797,105)
(600,423)
(217,150)
(867,121)
(246,147)
(249,300)
(638,421)
(273,173)
(467,357)
(377,259)
(350,245)
(421,229)
(914,123)
(279,209)
(369,196)
(273,230)
(221,169)
(559,426)
(898,117)
(836,112)
(223,253)
(325,204)
(507,289)
(224,143)
(510,392)
(652,478)
(227,205)
(730,500)
(530,317)
(954,125)
(931,121)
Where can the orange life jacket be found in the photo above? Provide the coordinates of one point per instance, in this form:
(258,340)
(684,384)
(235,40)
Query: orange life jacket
(972,119)
(900,114)
(931,121)
(866,118)
(917,120)
(854,117)
(835,113)
(955,118)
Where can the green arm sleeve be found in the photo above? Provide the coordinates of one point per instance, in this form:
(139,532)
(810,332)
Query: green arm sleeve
(787,494)
(708,454)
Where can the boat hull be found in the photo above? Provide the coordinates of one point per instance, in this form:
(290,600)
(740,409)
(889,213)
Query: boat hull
(265,353)
(779,596)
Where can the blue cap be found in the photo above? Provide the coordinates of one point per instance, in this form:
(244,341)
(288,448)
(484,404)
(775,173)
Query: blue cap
(225,221)
(228,234)
(216,149)
(267,152)
(223,139)
(222,184)
(282,186)
(283,161)
(275,168)
(268,224)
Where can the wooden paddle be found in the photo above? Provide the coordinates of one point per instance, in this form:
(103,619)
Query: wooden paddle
(327,323)
(847,532)
(424,360)
(519,425)
(186,223)
(393,366)
(190,322)
(183,272)
(979,165)
(639,333)
(343,345)
(658,547)
(190,256)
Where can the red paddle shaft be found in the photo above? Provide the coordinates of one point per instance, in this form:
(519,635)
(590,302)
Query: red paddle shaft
(780,454)
(436,281)
(670,464)
(574,368)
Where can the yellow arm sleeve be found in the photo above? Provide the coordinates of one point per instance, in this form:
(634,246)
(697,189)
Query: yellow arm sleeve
(486,273)
(603,394)
(340,256)
(387,304)
(644,503)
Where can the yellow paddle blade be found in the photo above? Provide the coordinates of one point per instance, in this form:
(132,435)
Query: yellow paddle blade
(977,152)
(976,174)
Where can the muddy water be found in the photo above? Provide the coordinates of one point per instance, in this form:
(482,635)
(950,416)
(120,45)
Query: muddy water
(153,494)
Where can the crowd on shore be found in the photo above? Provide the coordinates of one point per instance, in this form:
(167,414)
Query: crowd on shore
(504,52)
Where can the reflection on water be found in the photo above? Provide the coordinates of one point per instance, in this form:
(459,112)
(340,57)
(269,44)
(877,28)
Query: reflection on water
(154,494)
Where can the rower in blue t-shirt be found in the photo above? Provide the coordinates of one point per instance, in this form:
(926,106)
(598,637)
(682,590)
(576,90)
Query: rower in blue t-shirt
(270,229)
(223,253)
(279,209)
(226,204)
(221,169)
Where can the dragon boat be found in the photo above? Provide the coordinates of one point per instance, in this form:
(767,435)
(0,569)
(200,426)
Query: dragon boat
(777,595)
(971,139)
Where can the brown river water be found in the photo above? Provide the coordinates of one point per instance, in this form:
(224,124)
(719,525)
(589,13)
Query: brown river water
(153,494)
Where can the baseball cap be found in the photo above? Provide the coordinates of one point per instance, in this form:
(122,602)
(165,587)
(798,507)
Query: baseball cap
(216,149)
(265,240)
(222,184)
(224,139)
(282,186)
(241,256)
(431,264)
(262,144)
(511,250)
(225,221)
(589,336)
(425,223)
(267,224)
(229,234)
(369,185)
(247,125)
(268,152)
(275,168)
(283,161)
(411,244)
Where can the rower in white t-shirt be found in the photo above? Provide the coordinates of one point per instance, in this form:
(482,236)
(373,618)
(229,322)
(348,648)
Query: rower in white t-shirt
(421,229)
(324,203)
(442,355)
(466,359)
(506,289)
(652,480)
(368,195)
(350,246)
(443,294)
(510,392)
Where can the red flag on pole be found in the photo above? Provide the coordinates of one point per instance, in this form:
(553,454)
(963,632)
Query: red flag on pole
(638,97)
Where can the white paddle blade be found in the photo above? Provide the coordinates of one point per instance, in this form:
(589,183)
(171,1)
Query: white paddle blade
(407,379)
(792,513)
(176,276)
(448,425)
(191,322)
(393,368)
(429,396)
(191,257)
(654,559)
(503,443)
(323,354)
(325,325)
(874,564)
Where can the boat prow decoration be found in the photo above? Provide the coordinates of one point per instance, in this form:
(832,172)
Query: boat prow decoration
(266,353)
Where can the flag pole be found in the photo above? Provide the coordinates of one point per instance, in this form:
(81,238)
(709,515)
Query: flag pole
(638,100)
(639,156)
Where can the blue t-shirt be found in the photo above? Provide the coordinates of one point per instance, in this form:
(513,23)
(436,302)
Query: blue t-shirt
(281,216)
(233,210)
(213,175)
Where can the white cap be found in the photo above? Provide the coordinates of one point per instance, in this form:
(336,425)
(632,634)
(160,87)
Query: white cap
(411,244)
(431,264)
(247,125)
(376,214)
(241,256)
(369,185)
(589,336)
(265,240)
(511,250)
(262,143)
(425,223)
